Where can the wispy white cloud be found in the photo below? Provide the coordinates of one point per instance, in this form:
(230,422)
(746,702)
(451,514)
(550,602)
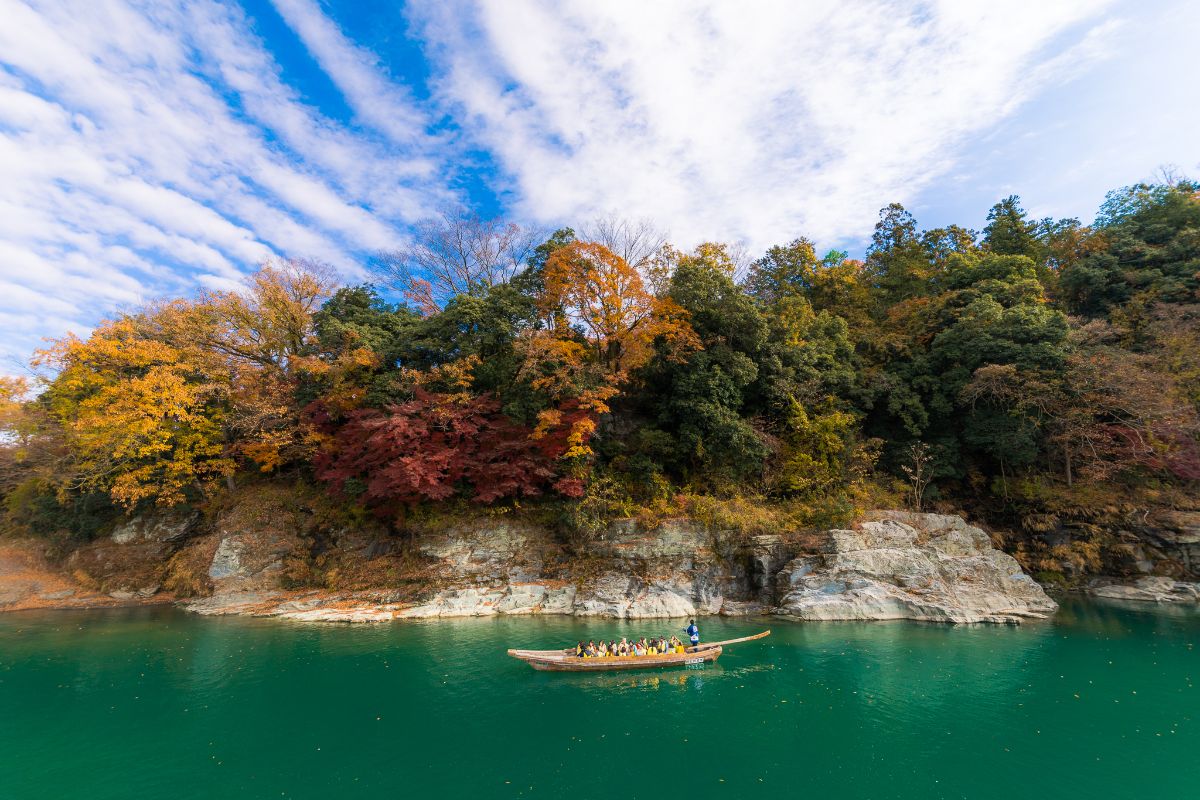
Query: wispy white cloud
(378,101)
(148,148)
(754,121)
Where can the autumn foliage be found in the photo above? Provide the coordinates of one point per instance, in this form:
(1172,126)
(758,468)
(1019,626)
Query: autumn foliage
(589,285)
(1036,361)
(433,447)
(141,422)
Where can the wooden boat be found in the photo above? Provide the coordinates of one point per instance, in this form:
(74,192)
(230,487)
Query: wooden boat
(565,660)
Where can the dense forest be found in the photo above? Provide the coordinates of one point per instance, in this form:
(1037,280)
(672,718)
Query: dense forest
(1030,373)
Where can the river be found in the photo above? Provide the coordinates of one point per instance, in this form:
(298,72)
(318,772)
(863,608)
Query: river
(1099,702)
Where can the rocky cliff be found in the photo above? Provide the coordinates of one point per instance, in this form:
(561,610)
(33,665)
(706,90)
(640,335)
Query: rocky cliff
(890,565)
(900,565)
(1149,555)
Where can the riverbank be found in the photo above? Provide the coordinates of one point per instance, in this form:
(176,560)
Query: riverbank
(28,581)
(254,560)
(888,565)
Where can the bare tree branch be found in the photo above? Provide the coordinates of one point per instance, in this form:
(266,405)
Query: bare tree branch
(455,254)
(636,241)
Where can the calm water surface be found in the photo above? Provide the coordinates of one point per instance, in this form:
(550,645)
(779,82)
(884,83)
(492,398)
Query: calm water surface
(1098,703)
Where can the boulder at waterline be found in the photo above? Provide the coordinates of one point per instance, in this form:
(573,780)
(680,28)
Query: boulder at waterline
(1147,590)
(901,565)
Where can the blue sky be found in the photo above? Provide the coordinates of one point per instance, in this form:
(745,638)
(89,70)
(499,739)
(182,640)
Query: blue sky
(148,149)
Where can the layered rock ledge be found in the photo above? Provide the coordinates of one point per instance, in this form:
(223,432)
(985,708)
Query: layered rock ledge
(910,566)
(1146,590)
(893,565)
(890,565)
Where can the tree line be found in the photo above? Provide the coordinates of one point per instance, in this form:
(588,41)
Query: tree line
(1033,363)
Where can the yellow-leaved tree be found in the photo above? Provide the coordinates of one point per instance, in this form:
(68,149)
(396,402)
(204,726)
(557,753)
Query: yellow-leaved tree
(254,341)
(166,402)
(141,421)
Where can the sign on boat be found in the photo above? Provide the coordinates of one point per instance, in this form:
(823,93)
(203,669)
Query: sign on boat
(565,660)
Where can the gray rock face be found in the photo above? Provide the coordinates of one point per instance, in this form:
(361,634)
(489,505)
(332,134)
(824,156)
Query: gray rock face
(155,528)
(910,566)
(248,562)
(1147,590)
(1179,535)
(227,561)
(895,566)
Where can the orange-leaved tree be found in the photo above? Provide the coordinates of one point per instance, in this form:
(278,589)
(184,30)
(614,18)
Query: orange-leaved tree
(590,286)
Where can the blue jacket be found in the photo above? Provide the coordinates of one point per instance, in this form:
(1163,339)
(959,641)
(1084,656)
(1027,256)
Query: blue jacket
(693,632)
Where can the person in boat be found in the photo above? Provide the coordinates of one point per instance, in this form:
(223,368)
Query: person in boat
(579,650)
(624,646)
(638,650)
(676,644)
(591,649)
(602,649)
(693,632)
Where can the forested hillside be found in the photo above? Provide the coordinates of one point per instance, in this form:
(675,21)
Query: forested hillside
(1035,373)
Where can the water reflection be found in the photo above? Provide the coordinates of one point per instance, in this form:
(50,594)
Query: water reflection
(1104,606)
(153,702)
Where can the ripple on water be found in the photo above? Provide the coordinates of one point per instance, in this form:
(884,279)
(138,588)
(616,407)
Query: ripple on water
(154,702)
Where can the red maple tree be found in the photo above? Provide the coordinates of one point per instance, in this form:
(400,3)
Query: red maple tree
(435,446)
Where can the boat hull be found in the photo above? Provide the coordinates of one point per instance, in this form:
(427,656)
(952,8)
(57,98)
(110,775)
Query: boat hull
(557,662)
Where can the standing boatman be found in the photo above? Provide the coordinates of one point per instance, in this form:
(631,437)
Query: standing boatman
(693,632)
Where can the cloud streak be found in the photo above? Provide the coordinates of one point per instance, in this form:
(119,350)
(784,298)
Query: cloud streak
(145,149)
(357,73)
(746,121)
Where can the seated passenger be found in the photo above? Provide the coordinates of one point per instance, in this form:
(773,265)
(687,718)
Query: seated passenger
(579,650)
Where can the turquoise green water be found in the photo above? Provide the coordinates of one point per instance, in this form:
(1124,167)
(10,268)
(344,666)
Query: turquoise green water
(1100,702)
